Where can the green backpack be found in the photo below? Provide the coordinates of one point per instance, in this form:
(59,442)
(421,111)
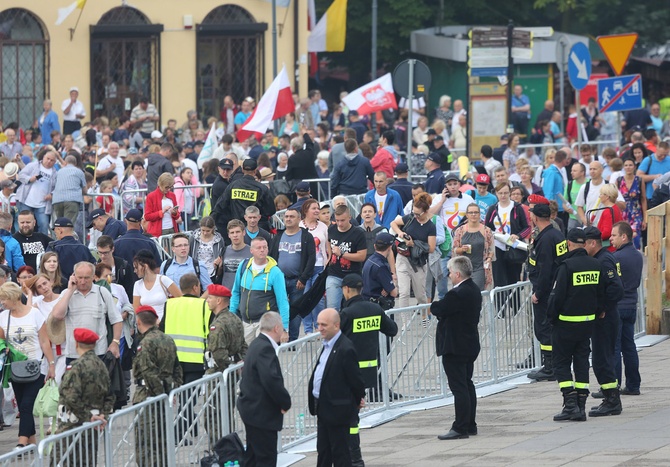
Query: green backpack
(445,247)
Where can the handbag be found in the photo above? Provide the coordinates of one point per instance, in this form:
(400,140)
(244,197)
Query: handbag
(46,403)
(24,371)
(516,256)
(400,245)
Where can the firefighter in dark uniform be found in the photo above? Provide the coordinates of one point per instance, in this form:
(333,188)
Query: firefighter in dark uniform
(548,247)
(606,328)
(574,303)
(362,321)
(241,194)
(378,286)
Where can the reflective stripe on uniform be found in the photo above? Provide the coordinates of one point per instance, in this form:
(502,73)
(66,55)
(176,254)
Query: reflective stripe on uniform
(566,384)
(367,363)
(613,385)
(581,385)
(187,338)
(548,348)
(367,324)
(576,319)
(353,430)
(531,261)
(188,349)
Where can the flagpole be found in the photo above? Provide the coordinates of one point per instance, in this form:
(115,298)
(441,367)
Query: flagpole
(373,118)
(274,55)
(72,30)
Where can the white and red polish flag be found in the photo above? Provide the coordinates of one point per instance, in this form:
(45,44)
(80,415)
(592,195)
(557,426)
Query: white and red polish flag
(275,103)
(373,97)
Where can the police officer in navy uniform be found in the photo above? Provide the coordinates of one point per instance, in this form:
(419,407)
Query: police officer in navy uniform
(573,305)
(606,328)
(547,248)
(70,251)
(435,177)
(362,321)
(378,286)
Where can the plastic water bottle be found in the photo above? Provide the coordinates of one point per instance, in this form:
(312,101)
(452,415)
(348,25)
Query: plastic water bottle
(236,464)
(300,425)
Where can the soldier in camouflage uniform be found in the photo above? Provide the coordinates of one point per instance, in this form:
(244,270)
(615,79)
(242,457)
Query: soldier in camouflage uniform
(84,396)
(157,371)
(225,346)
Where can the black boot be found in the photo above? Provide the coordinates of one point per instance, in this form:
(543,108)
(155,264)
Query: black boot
(611,404)
(570,408)
(355,451)
(546,373)
(581,403)
(597,394)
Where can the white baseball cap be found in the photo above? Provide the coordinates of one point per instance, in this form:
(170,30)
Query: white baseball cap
(156,134)
(74,88)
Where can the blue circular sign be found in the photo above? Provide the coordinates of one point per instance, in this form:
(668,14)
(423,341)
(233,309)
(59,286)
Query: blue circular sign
(579,66)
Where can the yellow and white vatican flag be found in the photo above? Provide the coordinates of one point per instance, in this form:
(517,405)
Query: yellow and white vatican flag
(329,34)
(63,13)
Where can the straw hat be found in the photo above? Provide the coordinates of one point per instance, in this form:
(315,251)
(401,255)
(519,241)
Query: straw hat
(55,330)
(266,172)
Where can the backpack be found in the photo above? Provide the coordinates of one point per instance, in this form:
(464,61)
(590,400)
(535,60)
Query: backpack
(588,187)
(196,267)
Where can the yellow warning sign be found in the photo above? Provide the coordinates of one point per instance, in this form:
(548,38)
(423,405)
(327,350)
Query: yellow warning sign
(617,49)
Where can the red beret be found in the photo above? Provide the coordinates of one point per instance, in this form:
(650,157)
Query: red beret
(537,199)
(148,309)
(85,336)
(218,290)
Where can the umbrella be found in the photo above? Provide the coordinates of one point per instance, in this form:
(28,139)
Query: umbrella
(305,304)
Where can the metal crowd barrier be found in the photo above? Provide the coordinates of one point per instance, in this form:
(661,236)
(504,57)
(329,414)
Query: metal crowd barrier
(232,422)
(83,445)
(198,409)
(117,209)
(574,147)
(142,434)
(200,203)
(27,456)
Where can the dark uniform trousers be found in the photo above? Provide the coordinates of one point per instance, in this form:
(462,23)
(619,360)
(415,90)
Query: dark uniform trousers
(459,371)
(571,350)
(604,341)
(542,325)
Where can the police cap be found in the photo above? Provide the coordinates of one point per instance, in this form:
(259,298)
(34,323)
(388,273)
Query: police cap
(353,280)
(384,239)
(249,164)
(541,210)
(592,233)
(576,235)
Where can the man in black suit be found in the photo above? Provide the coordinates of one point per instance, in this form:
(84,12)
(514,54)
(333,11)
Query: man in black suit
(457,341)
(336,391)
(263,399)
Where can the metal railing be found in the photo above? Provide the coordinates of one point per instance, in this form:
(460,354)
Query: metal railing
(27,456)
(83,445)
(198,407)
(143,434)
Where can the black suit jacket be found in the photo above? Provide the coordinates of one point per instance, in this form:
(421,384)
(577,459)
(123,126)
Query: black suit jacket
(342,386)
(458,317)
(262,392)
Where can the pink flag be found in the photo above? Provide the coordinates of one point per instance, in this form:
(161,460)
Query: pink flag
(275,103)
(373,97)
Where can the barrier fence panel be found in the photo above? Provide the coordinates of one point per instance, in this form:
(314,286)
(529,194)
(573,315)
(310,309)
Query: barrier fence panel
(142,435)
(198,411)
(297,360)
(24,457)
(202,204)
(413,370)
(508,311)
(641,320)
(232,422)
(82,446)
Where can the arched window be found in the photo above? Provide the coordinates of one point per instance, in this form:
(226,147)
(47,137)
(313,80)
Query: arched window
(24,66)
(125,63)
(230,58)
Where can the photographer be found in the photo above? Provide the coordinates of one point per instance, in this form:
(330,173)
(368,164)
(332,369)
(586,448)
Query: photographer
(417,238)
(378,286)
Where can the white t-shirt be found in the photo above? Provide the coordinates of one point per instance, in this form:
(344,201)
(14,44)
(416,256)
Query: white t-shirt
(380,202)
(167,217)
(109,161)
(501,223)
(156,296)
(58,351)
(76,109)
(417,104)
(593,199)
(453,209)
(23,332)
(320,234)
(40,189)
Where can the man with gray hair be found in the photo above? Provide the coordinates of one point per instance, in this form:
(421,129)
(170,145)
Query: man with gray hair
(263,399)
(252,215)
(457,342)
(70,187)
(111,162)
(87,305)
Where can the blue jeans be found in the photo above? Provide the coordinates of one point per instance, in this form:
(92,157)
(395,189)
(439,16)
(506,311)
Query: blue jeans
(334,292)
(625,345)
(443,284)
(309,321)
(40,216)
(293,294)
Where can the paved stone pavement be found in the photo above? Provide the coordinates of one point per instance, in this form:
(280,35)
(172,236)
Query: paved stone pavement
(516,428)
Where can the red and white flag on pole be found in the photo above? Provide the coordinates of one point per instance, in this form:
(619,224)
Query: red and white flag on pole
(373,97)
(275,103)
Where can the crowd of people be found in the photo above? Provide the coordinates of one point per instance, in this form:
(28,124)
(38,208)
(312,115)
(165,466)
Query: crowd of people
(109,187)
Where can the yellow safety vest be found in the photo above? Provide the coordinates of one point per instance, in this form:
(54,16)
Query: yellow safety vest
(187,322)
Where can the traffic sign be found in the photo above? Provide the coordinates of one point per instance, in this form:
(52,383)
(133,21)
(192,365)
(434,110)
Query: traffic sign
(421,79)
(617,49)
(620,93)
(542,31)
(579,65)
(494,72)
